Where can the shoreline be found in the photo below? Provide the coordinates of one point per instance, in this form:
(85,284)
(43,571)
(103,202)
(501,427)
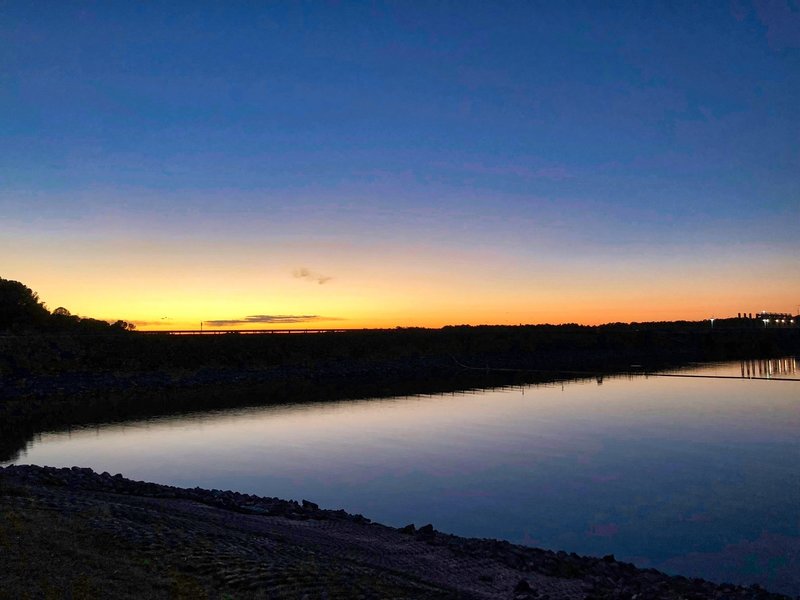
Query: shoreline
(211,542)
(59,382)
(55,520)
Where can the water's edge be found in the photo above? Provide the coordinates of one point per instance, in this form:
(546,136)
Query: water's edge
(535,570)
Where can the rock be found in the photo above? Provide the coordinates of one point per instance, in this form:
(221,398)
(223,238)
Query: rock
(426,529)
(408,529)
(426,532)
(522,586)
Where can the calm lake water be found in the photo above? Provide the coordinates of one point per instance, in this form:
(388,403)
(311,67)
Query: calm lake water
(694,476)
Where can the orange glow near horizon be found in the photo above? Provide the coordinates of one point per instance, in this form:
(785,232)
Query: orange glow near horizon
(167,284)
(161,305)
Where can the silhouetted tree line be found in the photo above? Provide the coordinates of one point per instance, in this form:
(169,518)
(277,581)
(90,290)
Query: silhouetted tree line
(21,311)
(415,351)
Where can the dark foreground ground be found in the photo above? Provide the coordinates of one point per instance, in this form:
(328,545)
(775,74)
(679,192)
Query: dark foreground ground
(72,533)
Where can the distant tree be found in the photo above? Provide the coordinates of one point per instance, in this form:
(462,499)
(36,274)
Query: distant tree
(90,325)
(63,320)
(20,307)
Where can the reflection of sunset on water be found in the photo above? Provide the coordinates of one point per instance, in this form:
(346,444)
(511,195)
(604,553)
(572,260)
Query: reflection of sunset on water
(648,468)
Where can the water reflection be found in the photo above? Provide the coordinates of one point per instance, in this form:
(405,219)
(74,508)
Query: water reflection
(776,367)
(697,476)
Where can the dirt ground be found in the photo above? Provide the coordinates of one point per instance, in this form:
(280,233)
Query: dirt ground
(76,534)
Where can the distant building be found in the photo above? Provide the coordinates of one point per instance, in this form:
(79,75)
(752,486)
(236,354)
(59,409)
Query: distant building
(774,319)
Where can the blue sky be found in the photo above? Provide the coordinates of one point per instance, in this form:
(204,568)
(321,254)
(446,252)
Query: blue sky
(562,131)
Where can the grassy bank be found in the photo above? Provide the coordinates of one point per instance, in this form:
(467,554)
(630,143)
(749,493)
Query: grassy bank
(608,346)
(56,381)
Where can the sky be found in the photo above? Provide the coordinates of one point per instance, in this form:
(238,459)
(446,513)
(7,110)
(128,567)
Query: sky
(349,164)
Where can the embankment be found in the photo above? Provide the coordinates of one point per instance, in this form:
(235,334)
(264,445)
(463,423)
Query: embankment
(75,533)
(57,381)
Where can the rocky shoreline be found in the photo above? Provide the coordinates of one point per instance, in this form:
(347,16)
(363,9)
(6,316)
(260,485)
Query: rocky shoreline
(164,541)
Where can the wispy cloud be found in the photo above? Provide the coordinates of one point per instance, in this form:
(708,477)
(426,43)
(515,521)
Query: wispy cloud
(518,170)
(782,21)
(146,323)
(311,276)
(532,169)
(269,319)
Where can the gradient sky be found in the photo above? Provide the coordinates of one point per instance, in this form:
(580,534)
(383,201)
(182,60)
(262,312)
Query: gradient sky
(395,164)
